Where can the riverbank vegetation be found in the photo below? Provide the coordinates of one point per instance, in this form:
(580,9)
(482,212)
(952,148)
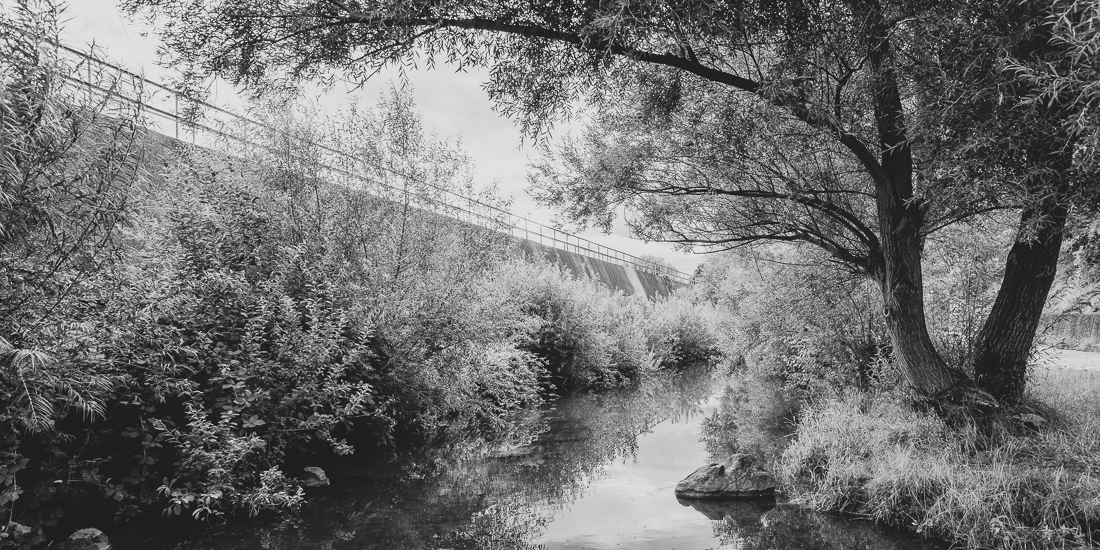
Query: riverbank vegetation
(821,399)
(1017,481)
(181,326)
(863,132)
(859,129)
(920,163)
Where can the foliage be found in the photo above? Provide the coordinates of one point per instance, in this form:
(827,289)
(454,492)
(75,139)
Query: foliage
(67,162)
(264,307)
(816,331)
(1077,288)
(755,416)
(589,337)
(858,128)
(1070,81)
(683,331)
(964,265)
(796,322)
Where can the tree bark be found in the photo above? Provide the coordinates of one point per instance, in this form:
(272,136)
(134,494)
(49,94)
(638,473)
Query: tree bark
(902,286)
(900,218)
(1004,342)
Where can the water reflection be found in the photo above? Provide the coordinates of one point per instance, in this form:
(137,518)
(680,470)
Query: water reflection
(754,416)
(583,472)
(766,525)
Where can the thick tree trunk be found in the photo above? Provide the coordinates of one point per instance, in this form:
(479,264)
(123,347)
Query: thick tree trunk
(900,217)
(1004,342)
(903,298)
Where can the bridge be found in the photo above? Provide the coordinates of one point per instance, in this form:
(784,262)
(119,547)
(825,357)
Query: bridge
(183,118)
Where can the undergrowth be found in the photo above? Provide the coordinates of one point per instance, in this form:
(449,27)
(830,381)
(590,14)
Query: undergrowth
(180,327)
(1024,482)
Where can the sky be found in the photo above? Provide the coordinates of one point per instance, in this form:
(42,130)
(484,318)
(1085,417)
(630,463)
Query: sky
(452,104)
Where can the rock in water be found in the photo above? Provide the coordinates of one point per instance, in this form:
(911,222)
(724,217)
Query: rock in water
(87,539)
(314,477)
(737,477)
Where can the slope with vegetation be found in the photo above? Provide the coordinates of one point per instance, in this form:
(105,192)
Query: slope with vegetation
(860,128)
(180,326)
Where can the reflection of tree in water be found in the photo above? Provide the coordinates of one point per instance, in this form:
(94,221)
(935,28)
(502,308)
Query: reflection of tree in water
(472,497)
(763,525)
(753,417)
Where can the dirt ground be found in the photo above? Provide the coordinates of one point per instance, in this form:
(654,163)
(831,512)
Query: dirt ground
(1068,359)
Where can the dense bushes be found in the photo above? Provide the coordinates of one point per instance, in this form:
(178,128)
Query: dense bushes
(214,317)
(817,330)
(808,328)
(592,338)
(963,267)
(1015,478)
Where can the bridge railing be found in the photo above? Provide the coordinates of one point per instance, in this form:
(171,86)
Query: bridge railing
(173,113)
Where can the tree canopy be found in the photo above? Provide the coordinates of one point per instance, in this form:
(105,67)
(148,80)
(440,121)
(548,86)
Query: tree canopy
(858,126)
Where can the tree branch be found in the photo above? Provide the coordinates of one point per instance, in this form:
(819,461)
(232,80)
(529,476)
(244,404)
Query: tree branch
(596,44)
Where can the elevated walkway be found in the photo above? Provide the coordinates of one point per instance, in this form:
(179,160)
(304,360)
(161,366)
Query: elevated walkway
(616,276)
(179,117)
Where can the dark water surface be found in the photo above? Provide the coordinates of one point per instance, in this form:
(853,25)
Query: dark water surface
(591,472)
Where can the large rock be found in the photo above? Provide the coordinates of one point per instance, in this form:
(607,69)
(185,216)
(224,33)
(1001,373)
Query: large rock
(87,539)
(313,477)
(737,477)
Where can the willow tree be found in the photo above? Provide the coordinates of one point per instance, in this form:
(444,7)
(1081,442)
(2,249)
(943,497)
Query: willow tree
(844,78)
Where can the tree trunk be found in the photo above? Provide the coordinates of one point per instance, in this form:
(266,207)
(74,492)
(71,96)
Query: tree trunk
(1004,342)
(902,288)
(900,217)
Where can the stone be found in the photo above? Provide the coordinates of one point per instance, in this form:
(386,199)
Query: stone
(738,477)
(87,539)
(313,477)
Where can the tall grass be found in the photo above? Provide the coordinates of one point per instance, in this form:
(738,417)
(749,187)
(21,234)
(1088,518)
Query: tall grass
(1006,485)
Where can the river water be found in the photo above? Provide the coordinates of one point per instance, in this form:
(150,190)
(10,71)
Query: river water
(584,472)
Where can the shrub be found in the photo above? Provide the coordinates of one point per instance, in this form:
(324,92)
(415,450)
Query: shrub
(67,169)
(795,320)
(963,268)
(589,336)
(228,313)
(683,332)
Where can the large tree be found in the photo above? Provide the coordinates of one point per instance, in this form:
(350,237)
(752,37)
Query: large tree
(843,98)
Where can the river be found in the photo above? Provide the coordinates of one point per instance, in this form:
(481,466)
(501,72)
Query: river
(584,472)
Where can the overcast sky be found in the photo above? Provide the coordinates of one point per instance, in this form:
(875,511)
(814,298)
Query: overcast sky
(452,104)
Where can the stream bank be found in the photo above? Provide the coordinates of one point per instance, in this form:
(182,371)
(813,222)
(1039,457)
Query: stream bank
(587,471)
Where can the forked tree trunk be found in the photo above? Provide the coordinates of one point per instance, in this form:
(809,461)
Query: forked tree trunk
(1004,342)
(903,298)
(900,218)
